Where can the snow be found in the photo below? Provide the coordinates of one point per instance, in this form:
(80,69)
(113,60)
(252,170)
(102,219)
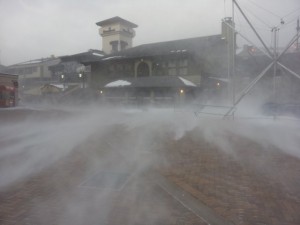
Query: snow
(187,82)
(97,54)
(31,62)
(118,83)
(112,57)
(184,50)
(61,86)
(220,79)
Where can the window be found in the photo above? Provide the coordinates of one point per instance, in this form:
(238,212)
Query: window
(183,71)
(177,67)
(114,46)
(172,63)
(182,62)
(172,72)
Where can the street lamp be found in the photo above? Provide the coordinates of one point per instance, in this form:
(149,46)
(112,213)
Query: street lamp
(81,76)
(62,76)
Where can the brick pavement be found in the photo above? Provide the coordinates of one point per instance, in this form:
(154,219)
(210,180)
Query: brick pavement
(254,185)
(56,196)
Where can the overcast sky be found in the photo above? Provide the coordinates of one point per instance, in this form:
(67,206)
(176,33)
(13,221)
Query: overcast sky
(31,29)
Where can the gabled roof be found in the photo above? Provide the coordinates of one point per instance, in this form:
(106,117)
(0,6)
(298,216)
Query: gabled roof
(151,82)
(198,46)
(116,19)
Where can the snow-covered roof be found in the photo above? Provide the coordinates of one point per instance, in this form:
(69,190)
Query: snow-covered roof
(173,51)
(97,54)
(61,86)
(220,79)
(112,57)
(118,83)
(187,82)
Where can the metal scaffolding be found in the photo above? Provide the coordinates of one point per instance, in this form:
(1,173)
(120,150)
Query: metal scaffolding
(272,55)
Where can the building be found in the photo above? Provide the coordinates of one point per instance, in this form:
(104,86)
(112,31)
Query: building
(194,60)
(71,70)
(158,70)
(8,90)
(34,72)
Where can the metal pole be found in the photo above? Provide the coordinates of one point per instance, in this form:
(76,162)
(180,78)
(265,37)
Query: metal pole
(261,40)
(275,29)
(233,57)
(274,58)
(248,88)
(289,70)
(298,31)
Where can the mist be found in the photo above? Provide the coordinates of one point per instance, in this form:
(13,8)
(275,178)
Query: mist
(92,162)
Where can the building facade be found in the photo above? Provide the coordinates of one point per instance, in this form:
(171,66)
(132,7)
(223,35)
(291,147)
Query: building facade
(194,60)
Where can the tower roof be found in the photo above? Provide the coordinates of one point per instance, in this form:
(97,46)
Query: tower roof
(116,19)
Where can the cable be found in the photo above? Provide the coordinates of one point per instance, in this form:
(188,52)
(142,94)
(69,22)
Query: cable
(259,19)
(283,23)
(286,25)
(292,12)
(254,3)
(292,20)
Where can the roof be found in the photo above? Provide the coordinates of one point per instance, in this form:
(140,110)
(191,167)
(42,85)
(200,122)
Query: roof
(198,45)
(59,86)
(116,19)
(8,75)
(152,81)
(90,55)
(36,61)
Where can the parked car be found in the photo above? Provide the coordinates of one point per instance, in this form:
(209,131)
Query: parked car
(279,109)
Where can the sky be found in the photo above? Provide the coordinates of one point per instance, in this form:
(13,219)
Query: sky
(33,29)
